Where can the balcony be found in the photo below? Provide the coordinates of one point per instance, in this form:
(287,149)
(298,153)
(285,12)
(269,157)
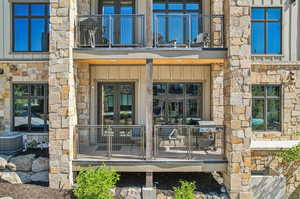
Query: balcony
(177,36)
(111,141)
(110,31)
(174,146)
(188,31)
(172,31)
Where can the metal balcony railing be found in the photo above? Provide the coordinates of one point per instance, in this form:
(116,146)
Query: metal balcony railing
(183,142)
(110,31)
(169,30)
(188,142)
(108,141)
(185,30)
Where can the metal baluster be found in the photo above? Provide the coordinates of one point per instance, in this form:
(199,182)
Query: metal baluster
(109,144)
(155,141)
(190,30)
(110,30)
(189,143)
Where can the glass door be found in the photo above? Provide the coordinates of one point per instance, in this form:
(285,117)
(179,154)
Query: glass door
(122,20)
(116,103)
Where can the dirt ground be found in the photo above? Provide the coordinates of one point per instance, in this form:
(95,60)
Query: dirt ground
(26,191)
(164,182)
(205,183)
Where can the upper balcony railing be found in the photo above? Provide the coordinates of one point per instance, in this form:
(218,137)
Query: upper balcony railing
(169,30)
(110,31)
(183,30)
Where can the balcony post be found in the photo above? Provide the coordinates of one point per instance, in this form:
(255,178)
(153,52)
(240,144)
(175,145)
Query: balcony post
(145,8)
(149,120)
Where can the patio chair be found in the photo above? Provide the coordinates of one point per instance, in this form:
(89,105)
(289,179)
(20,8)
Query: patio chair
(202,40)
(168,134)
(92,33)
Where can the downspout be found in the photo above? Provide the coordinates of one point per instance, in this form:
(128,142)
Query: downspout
(90,7)
(290,31)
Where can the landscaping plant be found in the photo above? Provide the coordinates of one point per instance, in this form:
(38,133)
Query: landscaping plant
(185,190)
(96,183)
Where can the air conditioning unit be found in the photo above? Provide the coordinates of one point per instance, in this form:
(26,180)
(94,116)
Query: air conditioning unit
(11,142)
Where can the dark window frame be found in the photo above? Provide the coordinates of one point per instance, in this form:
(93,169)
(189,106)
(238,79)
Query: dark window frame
(184,2)
(265,98)
(175,97)
(117,3)
(184,11)
(266,21)
(45,97)
(117,102)
(46,18)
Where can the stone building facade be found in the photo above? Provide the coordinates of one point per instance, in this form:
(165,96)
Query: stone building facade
(224,66)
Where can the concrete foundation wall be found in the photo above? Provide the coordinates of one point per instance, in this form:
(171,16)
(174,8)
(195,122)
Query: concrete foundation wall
(268,187)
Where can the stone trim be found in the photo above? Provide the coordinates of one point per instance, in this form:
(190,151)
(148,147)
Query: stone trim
(29,1)
(273,145)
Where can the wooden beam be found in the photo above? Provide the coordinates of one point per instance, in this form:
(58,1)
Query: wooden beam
(149,35)
(149,108)
(149,118)
(155,61)
(149,179)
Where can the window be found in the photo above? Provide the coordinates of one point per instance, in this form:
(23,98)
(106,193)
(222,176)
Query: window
(177,103)
(266,30)
(172,21)
(266,107)
(30,27)
(30,107)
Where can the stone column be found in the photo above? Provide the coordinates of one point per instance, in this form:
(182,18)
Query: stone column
(217,23)
(62,102)
(237,99)
(149,117)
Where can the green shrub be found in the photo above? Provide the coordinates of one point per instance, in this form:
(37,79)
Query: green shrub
(290,155)
(185,190)
(96,183)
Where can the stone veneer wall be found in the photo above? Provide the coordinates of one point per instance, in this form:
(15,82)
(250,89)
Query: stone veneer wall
(288,76)
(62,97)
(217,93)
(265,161)
(217,101)
(17,73)
(280,74)
(83,93)
(237,99)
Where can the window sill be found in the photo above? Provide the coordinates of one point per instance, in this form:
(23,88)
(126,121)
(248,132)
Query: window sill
(33,52)
(267,132)
(267,55)
(273,145)
(29,1)
(38,133)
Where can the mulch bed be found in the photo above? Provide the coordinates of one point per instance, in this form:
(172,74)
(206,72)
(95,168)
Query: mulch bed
(26,191)
(205,182)
(164,182)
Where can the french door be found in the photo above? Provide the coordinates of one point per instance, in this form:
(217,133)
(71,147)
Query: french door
(122,20)
(116,103)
